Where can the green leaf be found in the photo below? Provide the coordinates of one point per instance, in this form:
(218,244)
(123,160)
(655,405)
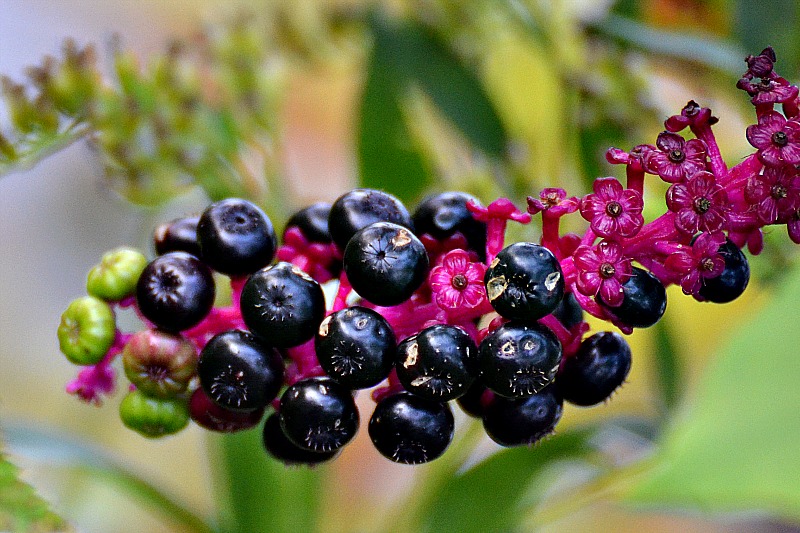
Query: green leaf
(736,445)
(489,496)
(263,495)
(708,51)
(425,61)
(21,509)
(388,159)
(58,449)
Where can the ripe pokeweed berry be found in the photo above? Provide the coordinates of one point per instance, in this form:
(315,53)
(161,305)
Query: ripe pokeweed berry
(524,282)
(175,291)
(359,208)
(356,346)
(211,416)
(734,279)
(644,300)
(519,359)
(441,215)
(385,263)
(116,275)
(318,415)
(236,237)
(160,364)
(179,235)
(569,311)
(523,421)
(600,366)
(86,331)
(283,305)
(312,221)
(153,417)
(411,430)
(238,372)
(471,402)
(281,448)
(438,363)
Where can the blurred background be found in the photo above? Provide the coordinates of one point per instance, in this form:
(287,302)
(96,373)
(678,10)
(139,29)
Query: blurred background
(296,102)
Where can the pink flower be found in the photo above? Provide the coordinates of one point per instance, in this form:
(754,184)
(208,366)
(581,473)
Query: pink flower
(602,270)
(553,202)
(92,383)
(793,225)
(611,210)
(458,282)
(775,193)
(700,204)
(699,262)
(777,139)
(675,158)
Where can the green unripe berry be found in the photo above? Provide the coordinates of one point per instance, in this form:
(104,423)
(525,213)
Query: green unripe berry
(87,330)
(153,417)
(160,364)
(116,275)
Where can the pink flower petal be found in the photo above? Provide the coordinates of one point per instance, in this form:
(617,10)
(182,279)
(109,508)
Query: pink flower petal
(678,197)
(611,292)
(607,189)
(687,221)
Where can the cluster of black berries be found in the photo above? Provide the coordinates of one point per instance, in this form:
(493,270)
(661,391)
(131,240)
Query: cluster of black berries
(416,323)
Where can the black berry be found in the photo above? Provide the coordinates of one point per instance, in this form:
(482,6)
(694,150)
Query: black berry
(212,417)
(282,449)
(359,208)
(441,215)
(471,402)
(519,359)
(312,221)
(318,415)
(238,372)
(524,282)
(439,363)
(283,305)
(411,430)
(734,279)
(175,291)
(569,311)
(385,263)
(179,235)
(644,300)
(356,347)
(523,421)
(600,366)
(236,237)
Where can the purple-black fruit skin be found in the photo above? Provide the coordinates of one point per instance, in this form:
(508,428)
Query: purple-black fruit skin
(385,263)
(524,282)
(179,235)
(312,221)
(644,301)
(441,215)
(357,209)
(239,372)
(236,237)
(356,347)
(282,305)
(318,415)
(523,421)
(411,430)
(599,367)
(175,291)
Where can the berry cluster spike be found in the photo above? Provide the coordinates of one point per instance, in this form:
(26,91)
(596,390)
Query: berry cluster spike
(413,290)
